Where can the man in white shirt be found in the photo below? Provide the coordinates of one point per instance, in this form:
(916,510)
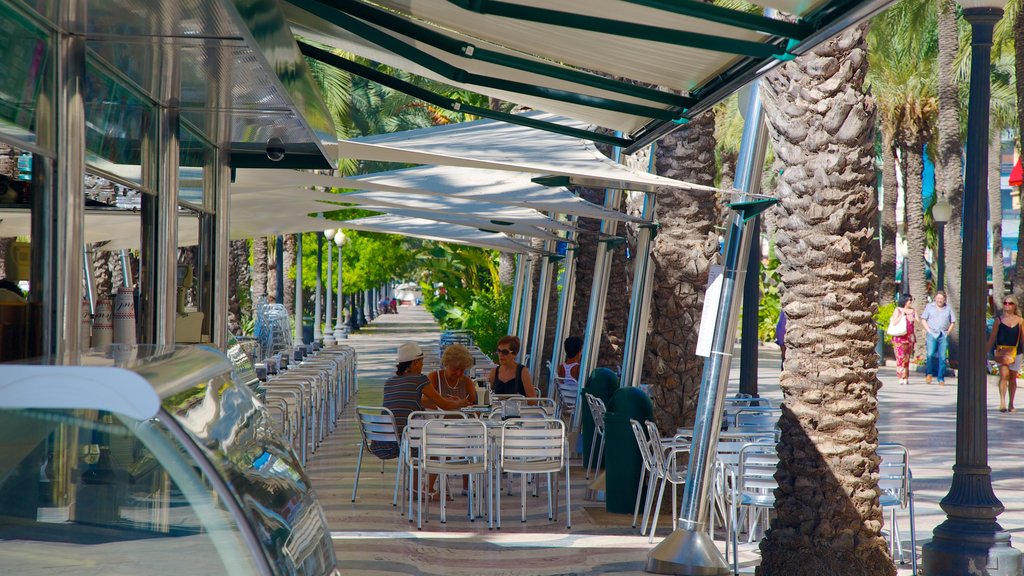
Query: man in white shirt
(938,321)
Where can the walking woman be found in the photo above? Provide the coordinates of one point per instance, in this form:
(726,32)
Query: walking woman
(903,345)
(1004,341)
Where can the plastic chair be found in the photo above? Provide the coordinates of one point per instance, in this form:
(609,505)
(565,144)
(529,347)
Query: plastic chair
(377,424)
(597,411)
(535,447)
(895,480)
(454,447)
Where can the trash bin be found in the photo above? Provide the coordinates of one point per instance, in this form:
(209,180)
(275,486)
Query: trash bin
(621,453)
(307,330)
(602,384)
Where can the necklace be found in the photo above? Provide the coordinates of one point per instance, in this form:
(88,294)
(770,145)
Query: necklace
(448,390)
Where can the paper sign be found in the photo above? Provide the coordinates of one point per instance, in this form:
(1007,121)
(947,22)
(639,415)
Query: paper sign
(708,316)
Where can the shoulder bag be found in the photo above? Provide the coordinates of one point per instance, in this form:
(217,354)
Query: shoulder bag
(897,325)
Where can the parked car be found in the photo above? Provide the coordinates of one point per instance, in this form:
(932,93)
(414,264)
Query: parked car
(149,461)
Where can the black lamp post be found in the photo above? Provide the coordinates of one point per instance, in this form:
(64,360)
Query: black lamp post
(970,540)
(942,211)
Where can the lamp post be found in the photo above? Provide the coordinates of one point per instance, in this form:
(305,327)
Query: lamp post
(318,334)
(328,329)
(970,540)
(340,330)
(942,211)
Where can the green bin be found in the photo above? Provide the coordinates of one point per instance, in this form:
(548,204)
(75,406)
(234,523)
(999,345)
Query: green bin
(602,384)
(622,475)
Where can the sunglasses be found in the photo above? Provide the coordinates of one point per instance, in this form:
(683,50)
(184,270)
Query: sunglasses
(502,351)
(1009,302)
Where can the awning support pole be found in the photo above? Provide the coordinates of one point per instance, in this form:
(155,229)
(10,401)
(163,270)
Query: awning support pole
(689,549)
(540,315)
(565,302)
(526,308)
(298,290)
(329,314)
(318,335)
(598,296)
(517,295)
(635,345)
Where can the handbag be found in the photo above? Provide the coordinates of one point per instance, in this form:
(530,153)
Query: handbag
(1006,355)
(897,326)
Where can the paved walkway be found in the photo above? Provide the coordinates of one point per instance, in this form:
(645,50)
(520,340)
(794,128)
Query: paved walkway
(371,537)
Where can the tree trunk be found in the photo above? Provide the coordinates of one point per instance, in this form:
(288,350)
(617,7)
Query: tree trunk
(238,283)
(290,246)
(682,252)
(949,161)
(912,151)
(890,190)
(821,122)
(260,263)
(995,217)
(506,268)
(272,270)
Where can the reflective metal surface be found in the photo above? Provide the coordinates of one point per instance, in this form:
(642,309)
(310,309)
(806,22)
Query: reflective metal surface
(640,304)
(540,313)
(566,299)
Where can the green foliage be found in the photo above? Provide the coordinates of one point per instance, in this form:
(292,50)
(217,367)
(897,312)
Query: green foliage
(771,300)
(468,293)
(882,318)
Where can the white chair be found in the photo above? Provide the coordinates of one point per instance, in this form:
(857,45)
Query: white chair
(454,447)
(753,491)
(566,390)
(548,405)
(895,480)
(412,440)
(531,446)
(377,424)
(757,417)
(669,468)
(597,411)
(647,474)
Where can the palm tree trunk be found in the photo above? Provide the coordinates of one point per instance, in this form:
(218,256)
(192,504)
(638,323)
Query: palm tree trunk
(995,217)
(506,268)
(238,281)
(290,246)
(260,263)
(682,252)
(1018,65)
(828,513)
(912,151)
(272,269)
(948,169)
(890,190)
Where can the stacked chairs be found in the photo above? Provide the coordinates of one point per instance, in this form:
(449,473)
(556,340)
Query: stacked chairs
(535,446)
(565,393)
(273,329)
(752,492)
(895,480)
(377,425)
(667,462)
(597,411)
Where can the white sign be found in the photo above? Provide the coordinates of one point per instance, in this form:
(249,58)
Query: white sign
(709,314)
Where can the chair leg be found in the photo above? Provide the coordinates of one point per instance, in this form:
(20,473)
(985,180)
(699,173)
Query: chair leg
(590,460)
(639,493)
(522,498)
(600,455)
(398,474)
(469,503)
(568,497)
(652,486)
(675,507)
(443,481)
(657,510)
(551,514)
(359,466)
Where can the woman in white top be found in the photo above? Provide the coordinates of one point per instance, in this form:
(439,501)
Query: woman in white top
(568,388)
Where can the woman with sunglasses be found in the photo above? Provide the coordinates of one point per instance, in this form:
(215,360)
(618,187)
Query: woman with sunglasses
(510,377)
(1006,332)
(903,345)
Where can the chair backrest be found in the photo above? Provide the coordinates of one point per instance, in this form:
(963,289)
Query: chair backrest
(546,404)
(756,472)
(894,471)
(376,424)
(643,444)
(461,443)
(765,418)
(417,420)
(531,412)
(538,444)
(597,411)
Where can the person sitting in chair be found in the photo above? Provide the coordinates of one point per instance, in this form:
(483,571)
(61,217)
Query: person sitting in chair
(510,377)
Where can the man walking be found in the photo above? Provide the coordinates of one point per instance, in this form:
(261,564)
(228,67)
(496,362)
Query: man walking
(938,323)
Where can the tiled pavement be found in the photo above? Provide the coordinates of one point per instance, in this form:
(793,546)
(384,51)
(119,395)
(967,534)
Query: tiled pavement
(371,537)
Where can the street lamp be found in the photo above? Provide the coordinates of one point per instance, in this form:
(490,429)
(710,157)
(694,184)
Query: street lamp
(352,325)
(970,540)
(942,211)
(328,329)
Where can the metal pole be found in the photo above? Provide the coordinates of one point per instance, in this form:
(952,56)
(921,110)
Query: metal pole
(90,290)
(328,316)
(941,268)
(540,314)
(635,345)
(970,540)
(565,301)
(279,265)
(749,340)
(517,295)
(298,289)
(318,334)
(598,295)
(527,307)
(340,330)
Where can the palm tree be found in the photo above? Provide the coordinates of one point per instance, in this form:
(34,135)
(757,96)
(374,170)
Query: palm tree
(682,252)
(821,123)
(1002,118)
(260,269)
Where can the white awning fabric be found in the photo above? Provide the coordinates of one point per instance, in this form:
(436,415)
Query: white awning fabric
(433,230)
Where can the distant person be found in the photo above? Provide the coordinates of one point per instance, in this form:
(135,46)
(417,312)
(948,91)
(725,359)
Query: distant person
(510,377)
(1005,342)
(570,369)
(780,335)
(903,345)
(938,323)
(394,305)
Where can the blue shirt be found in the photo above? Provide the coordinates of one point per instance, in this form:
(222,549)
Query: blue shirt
(938,320)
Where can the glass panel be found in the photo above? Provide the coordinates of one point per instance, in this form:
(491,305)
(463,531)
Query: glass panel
(116,121)
(194,157)
(86,488)
(264,474)
(24,52)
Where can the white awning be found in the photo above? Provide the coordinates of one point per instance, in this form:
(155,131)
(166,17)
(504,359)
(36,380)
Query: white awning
(433,230)
(501,146)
